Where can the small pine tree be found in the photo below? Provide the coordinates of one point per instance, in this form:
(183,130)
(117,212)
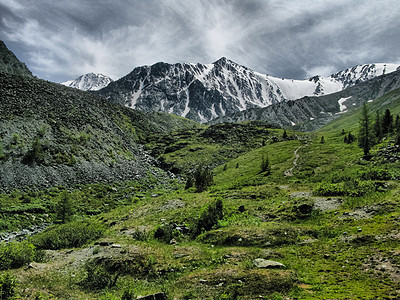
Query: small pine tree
(225,167)
(387,122)
(64,207)
(237,165)
(343,132)
(203,178)
(346,140)
(365,137)
(397,123)
(209,217)
(350,138)
(265,165)
(322,140)
(377,127)
(284,135)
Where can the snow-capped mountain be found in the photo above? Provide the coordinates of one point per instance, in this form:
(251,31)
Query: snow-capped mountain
(89,82)
(317,85)
(311,112)
(203,92)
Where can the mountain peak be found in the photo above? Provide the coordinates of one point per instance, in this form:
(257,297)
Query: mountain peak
(89,82)
(205,92)
(224,61)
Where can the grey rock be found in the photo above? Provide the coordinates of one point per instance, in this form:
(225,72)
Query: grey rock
(267,264)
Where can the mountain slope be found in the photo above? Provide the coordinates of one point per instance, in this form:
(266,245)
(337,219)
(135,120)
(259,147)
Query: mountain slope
(205,92)
(54,135)
(10,64)
(89,82)
(310,113)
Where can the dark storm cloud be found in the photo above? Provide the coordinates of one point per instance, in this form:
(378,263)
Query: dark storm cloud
(60,40)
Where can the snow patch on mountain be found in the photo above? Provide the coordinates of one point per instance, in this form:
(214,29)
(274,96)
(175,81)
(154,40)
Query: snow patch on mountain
(89,82)
(342,107)
(203,92)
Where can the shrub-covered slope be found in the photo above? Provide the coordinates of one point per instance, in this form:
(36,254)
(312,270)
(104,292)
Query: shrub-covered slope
(54,135)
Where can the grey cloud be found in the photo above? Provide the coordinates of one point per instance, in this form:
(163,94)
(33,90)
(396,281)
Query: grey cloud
(63,39)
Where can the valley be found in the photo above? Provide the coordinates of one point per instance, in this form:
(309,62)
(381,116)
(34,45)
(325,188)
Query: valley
(149,205)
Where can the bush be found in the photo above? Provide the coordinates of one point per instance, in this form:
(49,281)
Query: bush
(352,187)
(209,217)
(129,293)
(376,174)
(329,189)
(98,277)
(8,286)
(167,232)
(17,254)
(73,234)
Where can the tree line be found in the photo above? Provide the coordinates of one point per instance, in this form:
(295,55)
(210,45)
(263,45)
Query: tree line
(372,132)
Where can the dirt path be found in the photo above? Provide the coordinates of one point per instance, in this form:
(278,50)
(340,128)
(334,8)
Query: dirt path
(289,172)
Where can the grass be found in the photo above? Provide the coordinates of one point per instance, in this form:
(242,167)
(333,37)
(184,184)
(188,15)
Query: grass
(346,251)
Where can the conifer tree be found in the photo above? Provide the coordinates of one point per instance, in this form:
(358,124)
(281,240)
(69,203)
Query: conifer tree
(203,178)
(350,138)
(64,208)
(397,123)
(377,127)
(365,137)
(387,122)
(265,165)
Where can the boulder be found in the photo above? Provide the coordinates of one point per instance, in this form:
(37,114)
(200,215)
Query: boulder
(267,264)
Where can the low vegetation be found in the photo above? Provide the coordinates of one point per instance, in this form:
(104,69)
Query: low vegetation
(273,214)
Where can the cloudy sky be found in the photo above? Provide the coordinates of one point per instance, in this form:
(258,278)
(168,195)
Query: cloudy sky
(60,40)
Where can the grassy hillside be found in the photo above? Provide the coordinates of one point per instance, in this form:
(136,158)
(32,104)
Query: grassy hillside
(328,216)
(94,217)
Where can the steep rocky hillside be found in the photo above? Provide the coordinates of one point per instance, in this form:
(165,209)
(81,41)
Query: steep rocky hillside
(10,64)
(53,135)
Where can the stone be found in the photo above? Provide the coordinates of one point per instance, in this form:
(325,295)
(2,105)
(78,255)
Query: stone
(116,246)
(267,264)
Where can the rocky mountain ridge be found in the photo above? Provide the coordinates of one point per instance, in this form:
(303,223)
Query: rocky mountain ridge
(203,92)
(89,82)
(310,113)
